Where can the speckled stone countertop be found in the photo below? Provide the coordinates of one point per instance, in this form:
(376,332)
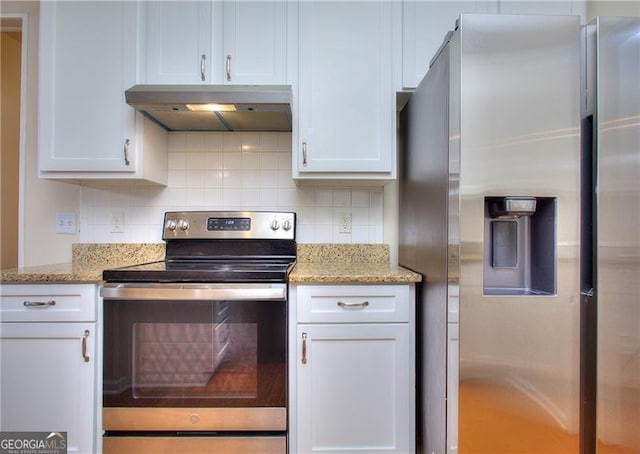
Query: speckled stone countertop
(348,263)
(317,263)
(88,262)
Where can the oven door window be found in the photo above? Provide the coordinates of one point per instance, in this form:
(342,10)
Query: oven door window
(194,353)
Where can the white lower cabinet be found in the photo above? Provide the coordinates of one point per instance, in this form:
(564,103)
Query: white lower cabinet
(49,363)
(352,369)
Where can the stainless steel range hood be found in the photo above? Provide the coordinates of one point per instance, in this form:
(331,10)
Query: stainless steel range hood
(214,107)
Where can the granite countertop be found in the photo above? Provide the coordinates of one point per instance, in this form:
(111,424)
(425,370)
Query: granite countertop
(88,262)
(348,263)
(317,263)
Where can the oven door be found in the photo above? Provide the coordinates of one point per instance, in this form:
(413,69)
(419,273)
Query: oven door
(194,357)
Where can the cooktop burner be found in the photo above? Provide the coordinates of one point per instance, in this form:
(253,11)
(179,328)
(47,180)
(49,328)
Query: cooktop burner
(219,247)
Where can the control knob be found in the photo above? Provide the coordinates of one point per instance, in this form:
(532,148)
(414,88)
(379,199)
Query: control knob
(275,225)
(286,225)
(172,224)
(183,224)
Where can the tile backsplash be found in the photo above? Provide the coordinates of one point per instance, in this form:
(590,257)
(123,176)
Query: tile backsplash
(229,171)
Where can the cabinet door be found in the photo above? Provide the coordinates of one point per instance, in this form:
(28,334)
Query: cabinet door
(353,388)
(346,95)
(46,384)
(87,60)
(179,42)
(561,7)
(254,36)
(424,26)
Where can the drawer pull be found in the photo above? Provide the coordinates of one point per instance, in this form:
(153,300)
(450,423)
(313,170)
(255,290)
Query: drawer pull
(39,303)
(353,305)
(84,346)
(304,348)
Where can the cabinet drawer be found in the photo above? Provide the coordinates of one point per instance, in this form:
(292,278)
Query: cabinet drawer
(353,303)
(47,303)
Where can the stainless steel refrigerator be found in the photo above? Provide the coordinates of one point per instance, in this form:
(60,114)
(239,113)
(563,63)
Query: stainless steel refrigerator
(611,233)
(490,214)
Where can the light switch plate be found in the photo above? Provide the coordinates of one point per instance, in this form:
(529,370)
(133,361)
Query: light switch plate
(66,223)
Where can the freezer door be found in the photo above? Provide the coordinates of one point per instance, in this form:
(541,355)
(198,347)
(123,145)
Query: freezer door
(618,234)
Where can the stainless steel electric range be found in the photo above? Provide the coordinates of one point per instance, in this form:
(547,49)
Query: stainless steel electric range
(195,346)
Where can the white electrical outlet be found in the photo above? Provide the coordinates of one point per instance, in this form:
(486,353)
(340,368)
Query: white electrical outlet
(66,223)
(344,222)
(117,221)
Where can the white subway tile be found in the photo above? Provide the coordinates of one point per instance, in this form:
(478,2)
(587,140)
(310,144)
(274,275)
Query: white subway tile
(213,141)
(210,171)
(232,142)
(232,160)
(324,197)
(194,179)
(268,142)
(342,198)
(231,198)
(251,142)
(177,141)
(195,141)
(195,160)
(268,179)
(213,160)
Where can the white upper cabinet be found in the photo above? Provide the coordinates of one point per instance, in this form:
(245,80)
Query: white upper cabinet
(346,90)
(255,42)
(557,7)
(424,27)
(425,24)
(179,39)
(87,60)
(202,42)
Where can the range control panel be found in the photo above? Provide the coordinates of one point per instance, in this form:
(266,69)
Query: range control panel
(229,224)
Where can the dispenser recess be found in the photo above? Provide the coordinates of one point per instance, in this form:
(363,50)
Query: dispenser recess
(520,246)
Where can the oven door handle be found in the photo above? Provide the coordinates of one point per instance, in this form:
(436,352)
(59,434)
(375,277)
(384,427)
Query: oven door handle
(195,292)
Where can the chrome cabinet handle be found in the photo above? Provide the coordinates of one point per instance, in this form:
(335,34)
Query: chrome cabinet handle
(353,305)
(228,66)
(127,142)
(304,154)
(39,303)
(84,346)
(203,60)
(304,348)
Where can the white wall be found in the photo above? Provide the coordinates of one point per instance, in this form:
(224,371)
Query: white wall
(40,199)
(218,171)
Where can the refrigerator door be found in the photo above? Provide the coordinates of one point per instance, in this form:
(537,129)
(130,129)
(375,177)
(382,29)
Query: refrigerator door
(617,130)
(423,167)
(519,272)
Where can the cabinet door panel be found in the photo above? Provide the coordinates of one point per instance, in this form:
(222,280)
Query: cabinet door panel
(45,384)
(178,35)
(255,42)
(346,102)
(352,391)
(84,70)
(424,26)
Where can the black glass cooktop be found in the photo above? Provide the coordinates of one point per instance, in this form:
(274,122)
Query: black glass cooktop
(210,271)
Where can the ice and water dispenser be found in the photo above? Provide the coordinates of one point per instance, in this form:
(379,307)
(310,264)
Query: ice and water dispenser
(520,246)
